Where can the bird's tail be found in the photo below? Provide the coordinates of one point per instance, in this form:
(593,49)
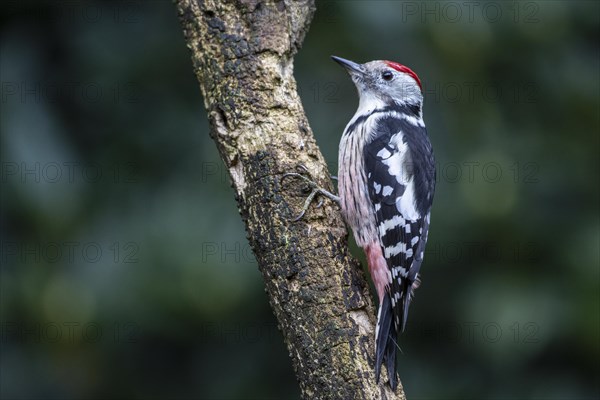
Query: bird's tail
(385,338)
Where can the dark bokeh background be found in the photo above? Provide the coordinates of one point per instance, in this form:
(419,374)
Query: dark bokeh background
(125,269)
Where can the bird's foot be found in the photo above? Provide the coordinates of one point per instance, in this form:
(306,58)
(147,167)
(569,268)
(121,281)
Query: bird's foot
(315,190)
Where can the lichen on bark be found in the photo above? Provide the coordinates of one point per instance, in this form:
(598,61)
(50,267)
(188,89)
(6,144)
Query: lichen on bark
(242,54)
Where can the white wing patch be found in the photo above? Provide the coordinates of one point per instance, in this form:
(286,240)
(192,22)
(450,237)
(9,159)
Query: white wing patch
(384,153)
(396,162)
(406,203)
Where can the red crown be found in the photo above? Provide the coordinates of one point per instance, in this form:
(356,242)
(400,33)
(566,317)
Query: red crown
(406,70)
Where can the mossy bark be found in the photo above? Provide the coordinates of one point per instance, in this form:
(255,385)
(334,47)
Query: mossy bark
(242,53)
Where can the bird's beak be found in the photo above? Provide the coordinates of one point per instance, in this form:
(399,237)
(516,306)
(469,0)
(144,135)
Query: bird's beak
(350,66)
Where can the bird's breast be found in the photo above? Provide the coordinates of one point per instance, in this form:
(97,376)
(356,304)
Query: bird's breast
(352,187)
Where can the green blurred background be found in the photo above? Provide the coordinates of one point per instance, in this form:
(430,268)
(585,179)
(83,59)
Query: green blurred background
(125,268)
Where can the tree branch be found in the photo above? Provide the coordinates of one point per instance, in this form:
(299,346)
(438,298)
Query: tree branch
(242,53)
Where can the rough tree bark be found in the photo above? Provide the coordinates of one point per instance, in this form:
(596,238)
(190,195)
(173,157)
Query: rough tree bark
(242,53)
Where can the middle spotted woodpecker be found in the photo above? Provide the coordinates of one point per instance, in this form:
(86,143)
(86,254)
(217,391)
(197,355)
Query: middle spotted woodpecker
(386,182)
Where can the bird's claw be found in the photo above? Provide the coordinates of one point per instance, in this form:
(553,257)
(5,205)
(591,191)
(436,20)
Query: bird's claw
(315,191)
(297,175)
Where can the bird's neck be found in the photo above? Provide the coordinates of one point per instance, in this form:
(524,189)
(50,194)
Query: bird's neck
(368,104)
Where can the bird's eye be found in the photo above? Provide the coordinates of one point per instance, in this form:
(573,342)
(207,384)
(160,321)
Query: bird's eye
(387,76)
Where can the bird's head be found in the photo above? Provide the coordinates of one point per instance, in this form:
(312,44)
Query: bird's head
(383,82)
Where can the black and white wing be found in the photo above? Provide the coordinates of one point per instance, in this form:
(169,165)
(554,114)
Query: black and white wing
(400,173)
(401,178)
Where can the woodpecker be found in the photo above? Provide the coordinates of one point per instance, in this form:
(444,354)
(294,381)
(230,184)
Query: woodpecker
(386,183)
